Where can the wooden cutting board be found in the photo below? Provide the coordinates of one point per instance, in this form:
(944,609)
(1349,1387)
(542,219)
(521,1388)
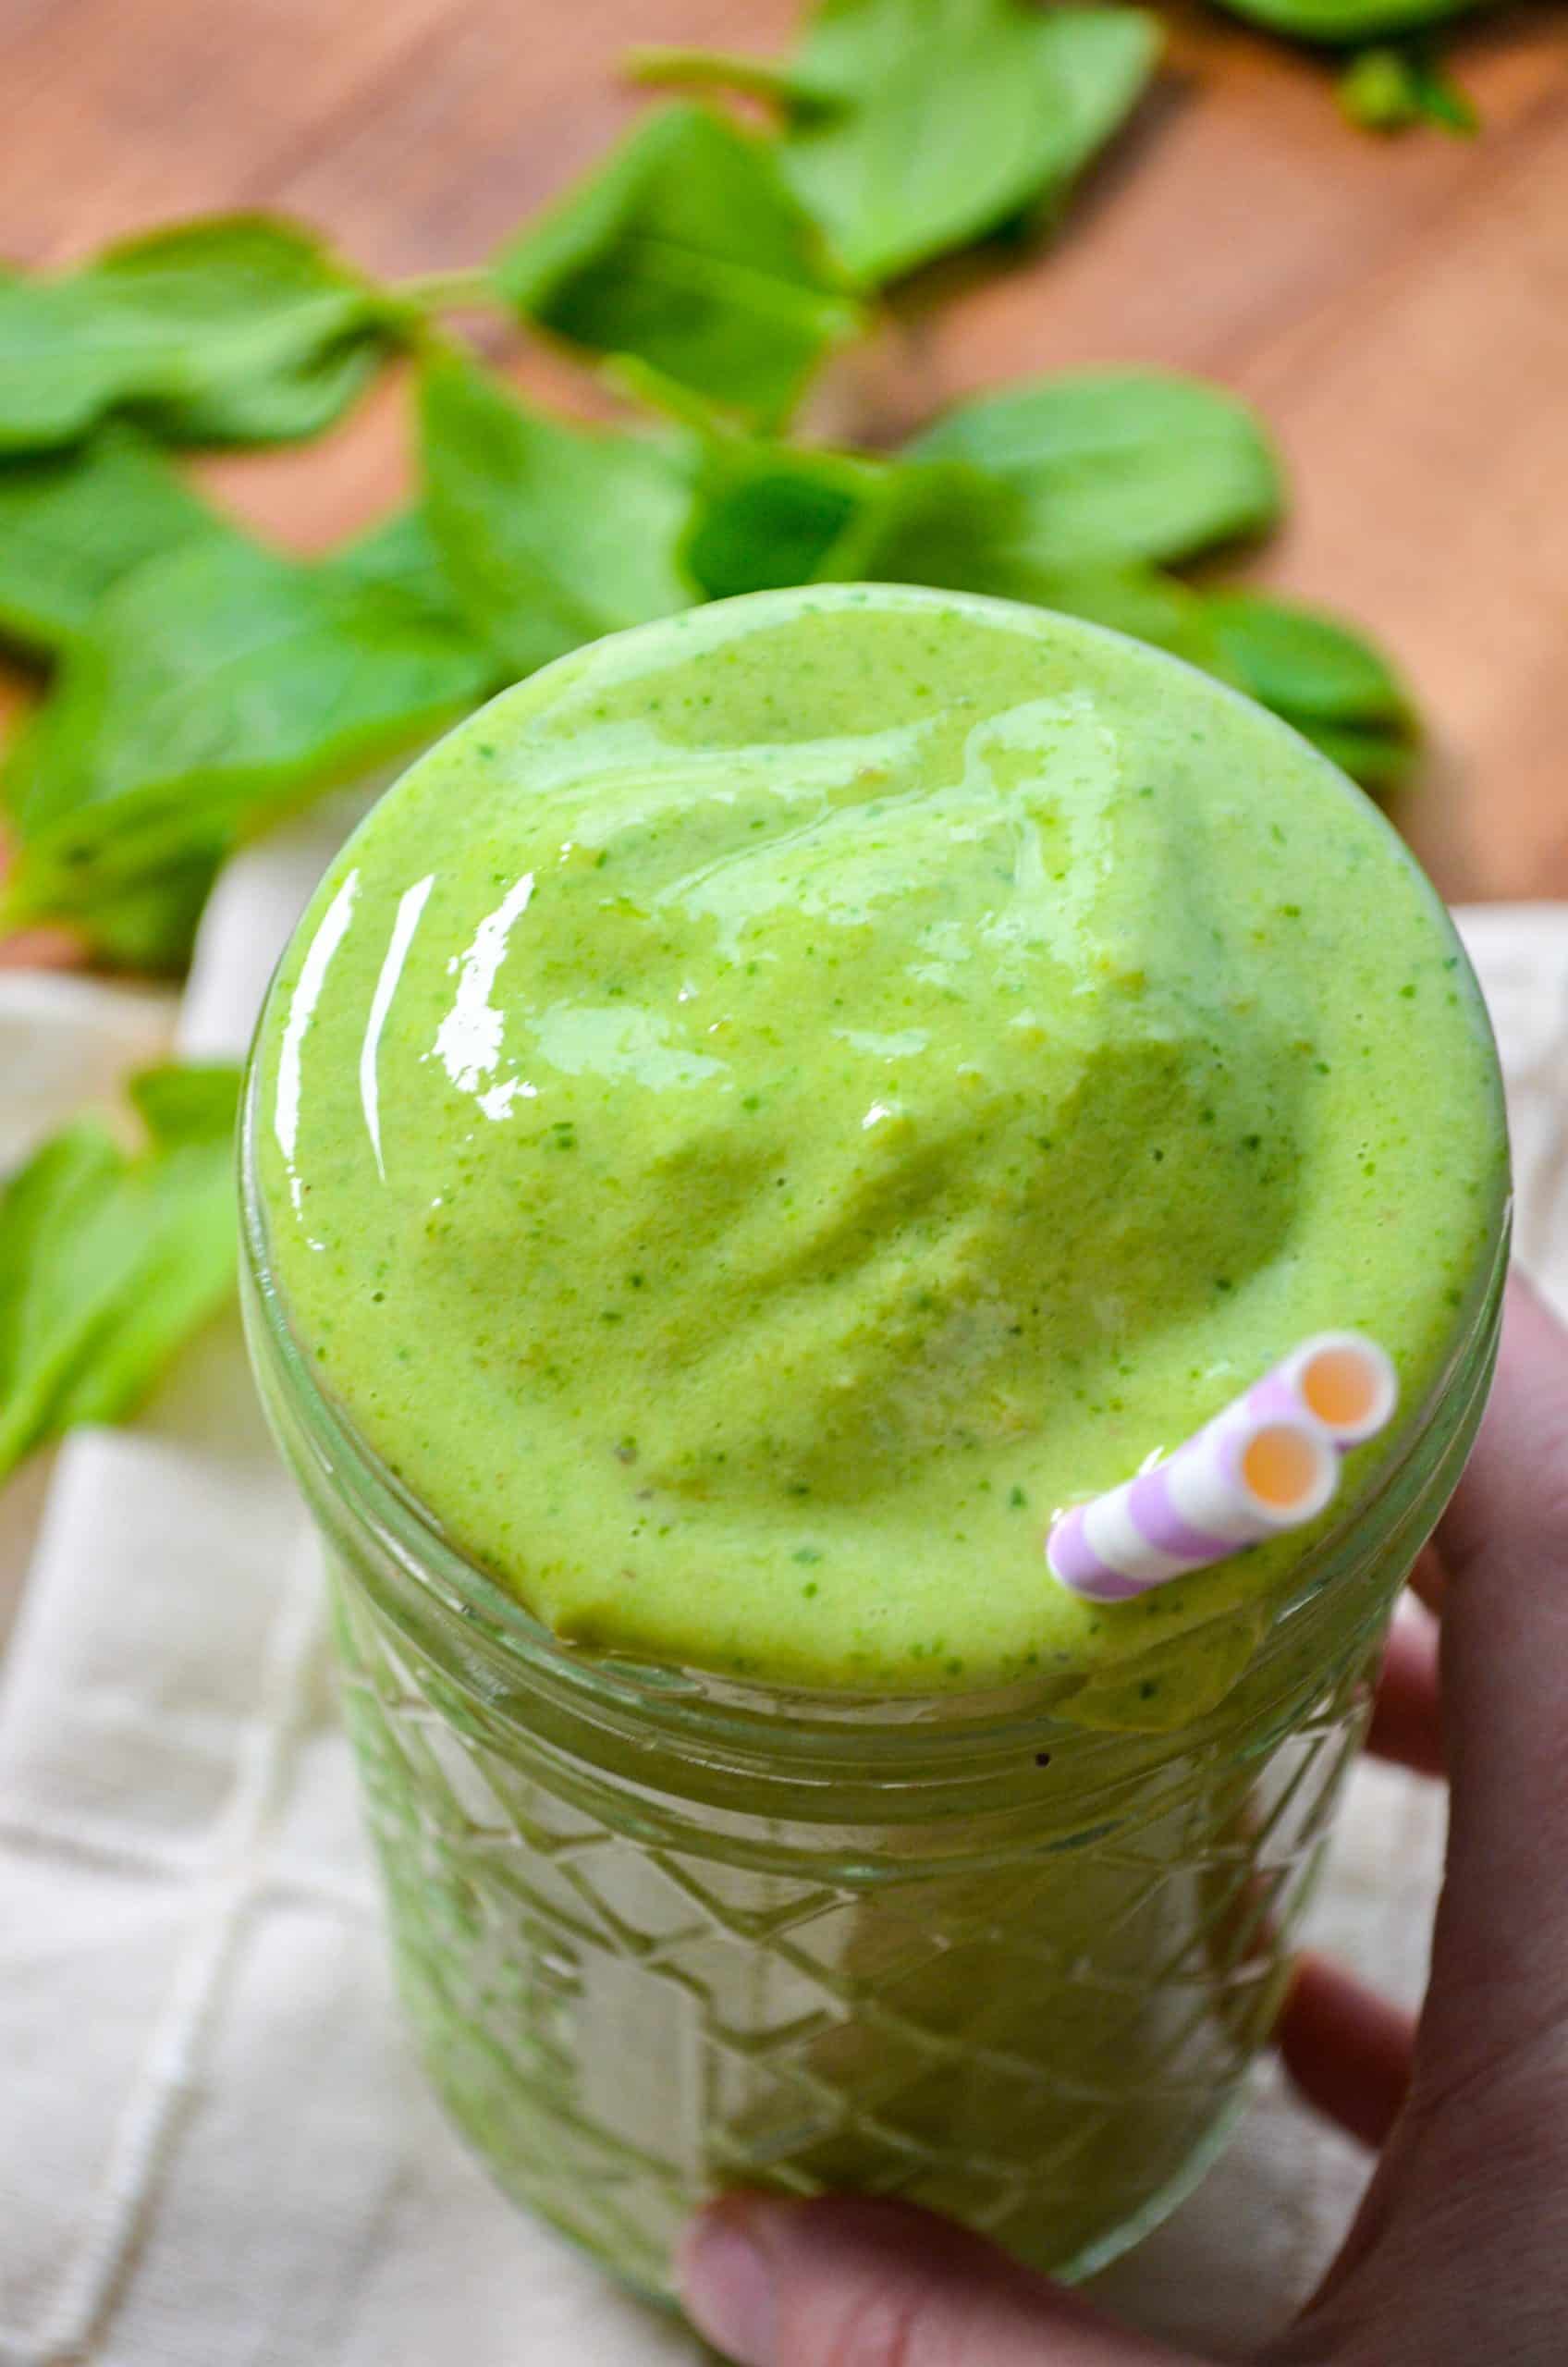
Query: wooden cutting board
(1398,308)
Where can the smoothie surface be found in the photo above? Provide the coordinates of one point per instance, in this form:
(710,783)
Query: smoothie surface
(787,1097)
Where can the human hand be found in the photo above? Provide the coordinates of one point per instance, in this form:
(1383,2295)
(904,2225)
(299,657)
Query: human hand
(1460,2251)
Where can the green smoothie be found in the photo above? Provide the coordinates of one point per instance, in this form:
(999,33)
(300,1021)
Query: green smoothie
(752,1124)
(786,1098)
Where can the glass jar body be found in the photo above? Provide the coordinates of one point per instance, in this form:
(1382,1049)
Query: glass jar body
(659,1934)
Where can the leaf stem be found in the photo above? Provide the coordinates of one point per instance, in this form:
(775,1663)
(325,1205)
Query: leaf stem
(440,291)
(659,65)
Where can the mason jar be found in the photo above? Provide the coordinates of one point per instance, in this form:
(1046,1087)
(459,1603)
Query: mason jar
(660,1933)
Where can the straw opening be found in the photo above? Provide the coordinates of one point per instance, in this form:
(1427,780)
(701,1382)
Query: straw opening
(1289,1473)
(1271,1461)
(1348,1385)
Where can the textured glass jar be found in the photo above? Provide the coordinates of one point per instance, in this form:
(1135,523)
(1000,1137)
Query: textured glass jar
(660,1933)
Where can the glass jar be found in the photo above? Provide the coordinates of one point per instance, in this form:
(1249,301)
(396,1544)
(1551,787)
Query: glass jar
(660,1933)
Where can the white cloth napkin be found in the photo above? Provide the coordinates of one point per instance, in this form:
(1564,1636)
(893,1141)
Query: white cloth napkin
(214,2145)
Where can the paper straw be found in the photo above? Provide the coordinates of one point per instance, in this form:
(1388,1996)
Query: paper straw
(1340,1381)
(1269,1462)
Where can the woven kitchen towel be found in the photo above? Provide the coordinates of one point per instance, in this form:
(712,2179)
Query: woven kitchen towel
(215,2146)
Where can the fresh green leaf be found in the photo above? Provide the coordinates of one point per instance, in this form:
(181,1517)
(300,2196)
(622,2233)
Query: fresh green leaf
(110,1260)
(147,926)
(1348,20)
(1443,101)
(73,522)
(916,126)
(235,330)
(1389,89)
(929,522)
(769,528)
(184,1102)
(1139,601)
(217,686)
(770,514)
(637,381)
(1118,466)
(144,921)
(402,552)
(1096,65)
(1320,676)
(1298,658)
(1379,760)
(687,249)
(551,535)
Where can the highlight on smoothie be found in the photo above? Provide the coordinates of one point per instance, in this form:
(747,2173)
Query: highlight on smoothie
(1262,1465)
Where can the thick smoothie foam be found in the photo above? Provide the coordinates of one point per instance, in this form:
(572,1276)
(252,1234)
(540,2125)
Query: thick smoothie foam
(788,1098)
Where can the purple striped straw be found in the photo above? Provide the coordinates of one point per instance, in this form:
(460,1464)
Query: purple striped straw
(1343,1381)
(1269,1462)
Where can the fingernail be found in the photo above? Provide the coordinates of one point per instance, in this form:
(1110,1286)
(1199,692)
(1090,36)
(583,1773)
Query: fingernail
(726,2282)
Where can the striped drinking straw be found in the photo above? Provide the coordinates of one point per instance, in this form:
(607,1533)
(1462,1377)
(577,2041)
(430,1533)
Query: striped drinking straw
(1269,1462)
(1341,1381)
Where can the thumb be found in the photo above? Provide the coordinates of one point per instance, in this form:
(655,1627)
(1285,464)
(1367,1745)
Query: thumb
(846,2282)
(1501,1949)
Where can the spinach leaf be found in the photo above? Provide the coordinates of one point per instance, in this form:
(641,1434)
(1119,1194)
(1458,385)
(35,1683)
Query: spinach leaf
(110,1260)
(687,249)
(1320,676)
(1304,660)
(1442,100)
(73,522)
(550,535)
(1348,20)
(143,921)
(217,686)
(1095,64)
(930,521)
(1118,466)
(912,126)
(1379,759)
(401,551)
(776,514)
(1139,601)
(240,329)
(146,925)
(770,514)
(1389,89)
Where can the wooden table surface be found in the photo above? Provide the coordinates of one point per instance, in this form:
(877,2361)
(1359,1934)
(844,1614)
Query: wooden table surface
(1398,308)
